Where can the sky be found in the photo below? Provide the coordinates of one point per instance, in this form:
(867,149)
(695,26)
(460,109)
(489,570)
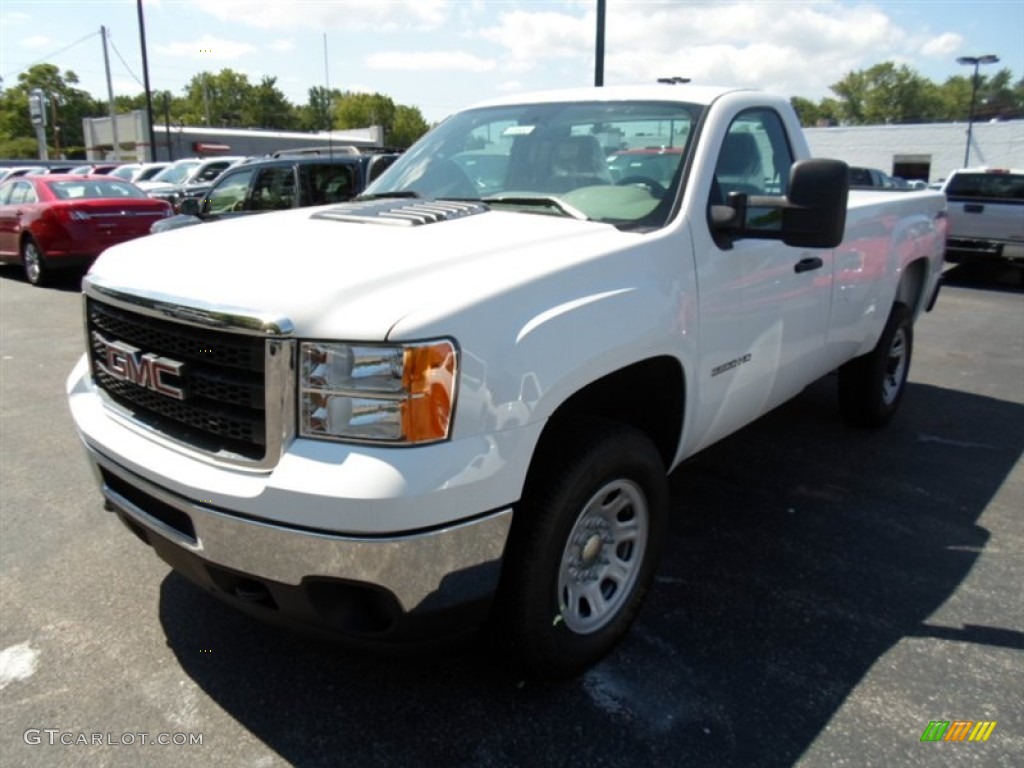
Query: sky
(441,55)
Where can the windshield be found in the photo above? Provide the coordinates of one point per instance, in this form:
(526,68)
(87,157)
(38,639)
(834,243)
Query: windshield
(617,162)
(125,172)
(175,174)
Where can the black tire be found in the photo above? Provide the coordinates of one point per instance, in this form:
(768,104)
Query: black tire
(584,548)
(871,386)
(34,262)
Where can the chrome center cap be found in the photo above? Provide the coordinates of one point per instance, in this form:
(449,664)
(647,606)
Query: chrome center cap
(591,549)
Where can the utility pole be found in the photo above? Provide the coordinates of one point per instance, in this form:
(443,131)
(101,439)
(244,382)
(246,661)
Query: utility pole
(145,80)
(599,52)
(56,127)
(110,98)
(206,100)
(167,125)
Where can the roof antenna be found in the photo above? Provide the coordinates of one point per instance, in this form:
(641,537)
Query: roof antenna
(330,120)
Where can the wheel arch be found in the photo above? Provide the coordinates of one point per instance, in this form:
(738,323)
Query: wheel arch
(657,410)
(911,289)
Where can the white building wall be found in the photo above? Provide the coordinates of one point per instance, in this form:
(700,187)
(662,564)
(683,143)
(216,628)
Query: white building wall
(997,145)
(133,136)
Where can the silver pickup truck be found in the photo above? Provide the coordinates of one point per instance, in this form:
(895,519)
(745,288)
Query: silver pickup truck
(986,215)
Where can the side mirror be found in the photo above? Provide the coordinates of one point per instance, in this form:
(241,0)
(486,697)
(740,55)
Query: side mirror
(189,206)
(812,215)
(816,214)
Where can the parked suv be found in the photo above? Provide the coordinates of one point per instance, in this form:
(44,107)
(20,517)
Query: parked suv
(198,182)
(282,182)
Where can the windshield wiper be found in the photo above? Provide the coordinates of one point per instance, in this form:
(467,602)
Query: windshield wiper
(539,201)
(392,193)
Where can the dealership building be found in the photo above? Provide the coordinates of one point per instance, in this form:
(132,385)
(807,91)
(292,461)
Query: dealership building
(927,151)
(174,142)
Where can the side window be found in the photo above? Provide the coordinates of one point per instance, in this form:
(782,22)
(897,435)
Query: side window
(229,194)
(274,189)
(211,172)
(330,183)
(23,193)
(5,193)
(755,159)
(378,165)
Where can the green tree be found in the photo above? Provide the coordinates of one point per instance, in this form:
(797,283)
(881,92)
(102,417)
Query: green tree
(317,114)
(267,107)
(65,102)
(216,99)
(361,110)
(806,110)
(886,93)
(409,125)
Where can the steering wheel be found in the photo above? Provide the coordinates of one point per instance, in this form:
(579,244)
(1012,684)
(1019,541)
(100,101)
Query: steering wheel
(654,187)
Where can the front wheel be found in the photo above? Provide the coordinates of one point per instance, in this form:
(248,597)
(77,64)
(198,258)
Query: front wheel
(584,548)
(871,386)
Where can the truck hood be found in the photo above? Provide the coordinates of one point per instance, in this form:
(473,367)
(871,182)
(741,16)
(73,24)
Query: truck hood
(345,279)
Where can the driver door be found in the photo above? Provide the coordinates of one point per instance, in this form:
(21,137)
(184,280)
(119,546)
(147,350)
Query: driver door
(764,305)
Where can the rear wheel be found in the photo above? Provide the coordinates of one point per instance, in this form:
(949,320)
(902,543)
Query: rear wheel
(32,259)
(871,386)
(584,548)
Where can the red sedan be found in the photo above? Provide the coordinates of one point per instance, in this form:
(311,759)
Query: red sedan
(62,221)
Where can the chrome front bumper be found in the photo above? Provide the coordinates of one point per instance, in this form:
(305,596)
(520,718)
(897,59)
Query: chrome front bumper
(425,571)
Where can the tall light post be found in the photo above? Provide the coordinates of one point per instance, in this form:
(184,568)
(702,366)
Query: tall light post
(975,61)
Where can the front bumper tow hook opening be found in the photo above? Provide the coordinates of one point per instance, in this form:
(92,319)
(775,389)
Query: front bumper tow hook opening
(251,592)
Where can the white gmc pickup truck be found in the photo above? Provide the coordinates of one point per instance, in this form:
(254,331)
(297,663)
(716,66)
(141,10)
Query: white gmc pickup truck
(455,401)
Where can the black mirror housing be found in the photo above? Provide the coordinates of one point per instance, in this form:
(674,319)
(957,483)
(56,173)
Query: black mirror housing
(813,214)
(189,206)
(818,194)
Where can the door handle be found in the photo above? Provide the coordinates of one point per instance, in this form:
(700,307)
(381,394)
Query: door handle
(808,264)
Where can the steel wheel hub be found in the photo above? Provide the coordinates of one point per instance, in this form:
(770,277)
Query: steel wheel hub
(895,368)
(603,556)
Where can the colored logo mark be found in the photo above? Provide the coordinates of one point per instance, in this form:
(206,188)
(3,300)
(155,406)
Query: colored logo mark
(958,730)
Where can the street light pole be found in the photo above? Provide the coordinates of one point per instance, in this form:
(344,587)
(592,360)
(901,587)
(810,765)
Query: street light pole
(974,61)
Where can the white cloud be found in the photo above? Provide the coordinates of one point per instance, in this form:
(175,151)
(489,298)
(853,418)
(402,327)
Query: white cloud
(509,86)
(207,48)
(942,46)
(429,60)
(339,14)
(787,47)
(14,17)
(36,41)
(282,46)
(531,37)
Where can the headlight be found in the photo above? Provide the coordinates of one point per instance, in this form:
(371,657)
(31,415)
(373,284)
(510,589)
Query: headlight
(380,393)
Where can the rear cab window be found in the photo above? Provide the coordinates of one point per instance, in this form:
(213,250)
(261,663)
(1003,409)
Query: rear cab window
(1002,186)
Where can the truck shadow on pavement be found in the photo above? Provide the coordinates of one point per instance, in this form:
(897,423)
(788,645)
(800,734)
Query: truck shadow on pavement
(800,552)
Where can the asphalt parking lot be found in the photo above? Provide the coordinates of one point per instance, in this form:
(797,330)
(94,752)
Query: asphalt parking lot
(825,595)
